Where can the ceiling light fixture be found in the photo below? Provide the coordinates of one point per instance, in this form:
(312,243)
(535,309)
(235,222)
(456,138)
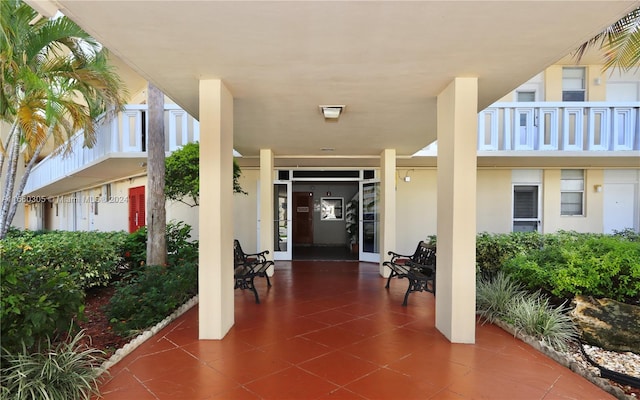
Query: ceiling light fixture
(332,112)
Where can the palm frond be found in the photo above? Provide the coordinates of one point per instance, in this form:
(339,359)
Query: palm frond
(619,43)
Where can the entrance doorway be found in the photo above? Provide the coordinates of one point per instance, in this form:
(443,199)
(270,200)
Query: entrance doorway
(302,218)
(318,215)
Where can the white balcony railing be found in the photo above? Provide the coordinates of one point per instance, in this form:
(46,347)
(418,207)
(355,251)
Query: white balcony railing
(562,126)
(124,134)
(502,127)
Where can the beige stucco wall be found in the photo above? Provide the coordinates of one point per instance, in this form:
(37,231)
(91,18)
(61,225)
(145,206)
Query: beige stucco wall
(591,221)
(494,201)
(416,212)
(245,210)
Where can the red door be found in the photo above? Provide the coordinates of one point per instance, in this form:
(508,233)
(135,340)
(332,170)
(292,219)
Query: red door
(136,208)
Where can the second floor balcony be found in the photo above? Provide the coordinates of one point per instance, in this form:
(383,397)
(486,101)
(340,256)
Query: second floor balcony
(120,151)
(561,126)
(517,131)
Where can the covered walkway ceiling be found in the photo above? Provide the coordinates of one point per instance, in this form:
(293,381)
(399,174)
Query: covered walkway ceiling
(386,61)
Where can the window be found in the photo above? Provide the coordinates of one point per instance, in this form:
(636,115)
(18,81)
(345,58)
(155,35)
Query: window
(523,96)
(573,84)
(572,192)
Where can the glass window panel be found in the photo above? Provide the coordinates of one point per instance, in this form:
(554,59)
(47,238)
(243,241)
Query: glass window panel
(525,96)
(571,174)
(571,203)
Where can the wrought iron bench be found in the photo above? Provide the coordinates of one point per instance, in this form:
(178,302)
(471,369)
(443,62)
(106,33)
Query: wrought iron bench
(248,266)
(419,269)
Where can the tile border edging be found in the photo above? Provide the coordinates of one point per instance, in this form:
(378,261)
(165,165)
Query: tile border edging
(144,336)
(565,361)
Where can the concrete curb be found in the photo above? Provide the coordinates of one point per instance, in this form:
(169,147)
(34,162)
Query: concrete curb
(147,334)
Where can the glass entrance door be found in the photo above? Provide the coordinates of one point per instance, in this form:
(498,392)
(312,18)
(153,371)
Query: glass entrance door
(370,221)
(282,221)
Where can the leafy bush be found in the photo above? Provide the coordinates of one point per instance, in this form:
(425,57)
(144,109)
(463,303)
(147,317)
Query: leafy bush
(67,370)
(147,295)
(36,302)
(533,315)
(588,264)
(493,250)
(494,296)
(91,258)
(179,247)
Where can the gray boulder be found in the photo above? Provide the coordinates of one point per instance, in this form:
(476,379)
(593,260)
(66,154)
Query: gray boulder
(607,323)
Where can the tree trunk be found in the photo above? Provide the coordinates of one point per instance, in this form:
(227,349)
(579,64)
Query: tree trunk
(23,182)
(7,190)
(156,213)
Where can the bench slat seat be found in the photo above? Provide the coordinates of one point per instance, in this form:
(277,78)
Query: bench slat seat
(419,269)
(246,267)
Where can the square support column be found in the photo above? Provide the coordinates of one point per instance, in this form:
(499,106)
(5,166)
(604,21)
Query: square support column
(215,275)
(266,228)
(387,206)
(457,174)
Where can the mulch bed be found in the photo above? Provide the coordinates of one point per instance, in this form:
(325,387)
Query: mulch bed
(96,323)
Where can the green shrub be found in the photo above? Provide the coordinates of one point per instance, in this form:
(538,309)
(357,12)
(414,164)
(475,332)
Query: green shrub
(91,258)
(588,264)
(179,247)
(494,295)
(67,370)
(148,294)
(534,316)
(493,250)
(36,302)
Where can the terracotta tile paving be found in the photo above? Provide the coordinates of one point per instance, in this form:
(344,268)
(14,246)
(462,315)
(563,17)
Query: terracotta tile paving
(330,330)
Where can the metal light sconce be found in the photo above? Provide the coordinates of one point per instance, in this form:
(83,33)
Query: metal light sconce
(597,188)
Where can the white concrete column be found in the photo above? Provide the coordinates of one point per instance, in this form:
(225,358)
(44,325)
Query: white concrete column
(387,206)
(265,241)
(215,275)
(457,174)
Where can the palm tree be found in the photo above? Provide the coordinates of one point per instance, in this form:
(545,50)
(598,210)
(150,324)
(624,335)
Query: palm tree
(55,81)
(620,43)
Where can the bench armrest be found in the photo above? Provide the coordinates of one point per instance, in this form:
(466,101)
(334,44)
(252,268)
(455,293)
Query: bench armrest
(395,257)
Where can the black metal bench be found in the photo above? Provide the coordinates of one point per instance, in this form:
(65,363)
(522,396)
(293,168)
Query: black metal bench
(419,268)
(246,267)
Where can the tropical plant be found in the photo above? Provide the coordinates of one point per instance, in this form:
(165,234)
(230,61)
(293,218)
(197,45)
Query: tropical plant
(494,296)
(533,315)
(182,175)
(619,42)
(66,370)
(56,81)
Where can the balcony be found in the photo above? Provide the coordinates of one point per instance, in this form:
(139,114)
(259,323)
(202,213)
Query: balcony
(119,151)
(565,126)
(558,134)
(509,134)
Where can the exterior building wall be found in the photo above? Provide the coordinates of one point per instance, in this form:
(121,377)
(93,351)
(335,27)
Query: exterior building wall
(553,83)
(590,221)
(494,201)
(245,211)
(416,208)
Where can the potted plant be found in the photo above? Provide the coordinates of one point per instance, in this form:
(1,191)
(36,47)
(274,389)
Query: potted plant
(352,223)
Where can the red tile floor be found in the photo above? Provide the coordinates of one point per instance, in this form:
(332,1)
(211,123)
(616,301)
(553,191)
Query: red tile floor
(330,330)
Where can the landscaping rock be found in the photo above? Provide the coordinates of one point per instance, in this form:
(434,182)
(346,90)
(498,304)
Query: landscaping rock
(607,323)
